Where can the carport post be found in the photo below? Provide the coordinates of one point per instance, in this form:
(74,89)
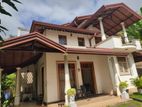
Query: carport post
(102,28)
(125,33)
(17,94)
(67,78)
(0,85)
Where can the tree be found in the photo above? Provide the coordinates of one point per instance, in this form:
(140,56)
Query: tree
(8,84)
(135,30)
(3,11)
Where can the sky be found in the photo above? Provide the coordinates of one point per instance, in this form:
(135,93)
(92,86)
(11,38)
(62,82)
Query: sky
(53,11)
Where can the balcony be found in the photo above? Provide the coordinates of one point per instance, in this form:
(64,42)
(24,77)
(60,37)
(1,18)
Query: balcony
(116,43)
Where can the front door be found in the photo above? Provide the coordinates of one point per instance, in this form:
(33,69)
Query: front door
(62,78)
(87,70)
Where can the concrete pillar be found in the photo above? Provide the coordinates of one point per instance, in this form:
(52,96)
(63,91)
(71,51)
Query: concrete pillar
(125,33)
(46,80)
(132,66)
(116,75)
(102,29)
(79,74)
(67,78)
(0,84)
(17,94)
(114,69)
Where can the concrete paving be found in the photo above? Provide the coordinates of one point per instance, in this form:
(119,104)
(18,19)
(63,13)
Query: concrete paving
(102,101)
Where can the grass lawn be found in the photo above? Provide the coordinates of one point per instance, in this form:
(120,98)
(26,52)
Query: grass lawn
(131,103)
(136,95)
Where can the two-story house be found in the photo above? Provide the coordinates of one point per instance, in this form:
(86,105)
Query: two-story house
(85,52)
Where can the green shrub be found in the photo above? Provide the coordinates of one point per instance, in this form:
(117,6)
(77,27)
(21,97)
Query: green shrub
(123,84)
(137,82)
(71,92)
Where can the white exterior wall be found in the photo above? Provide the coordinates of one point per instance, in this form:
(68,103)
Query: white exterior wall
(133,71)
(103,81)
(71,40)
(111,42)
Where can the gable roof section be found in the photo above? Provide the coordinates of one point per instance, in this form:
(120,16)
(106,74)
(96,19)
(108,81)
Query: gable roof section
(41,26)
(78,20)
(23,42)
(25,50)
(113,15)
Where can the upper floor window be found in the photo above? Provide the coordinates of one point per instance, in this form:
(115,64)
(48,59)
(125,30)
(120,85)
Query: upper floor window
(123,65)
(62,39)
(81,42)
(97,40)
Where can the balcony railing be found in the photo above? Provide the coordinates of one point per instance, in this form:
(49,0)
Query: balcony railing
(116,42)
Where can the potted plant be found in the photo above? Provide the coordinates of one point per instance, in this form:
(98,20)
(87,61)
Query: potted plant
(137,82)
(123,86)
(71,94)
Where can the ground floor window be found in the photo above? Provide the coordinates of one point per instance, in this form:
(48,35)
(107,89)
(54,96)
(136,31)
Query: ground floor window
(123,65)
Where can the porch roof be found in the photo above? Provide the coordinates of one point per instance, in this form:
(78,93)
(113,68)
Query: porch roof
(113,15)
(25,50)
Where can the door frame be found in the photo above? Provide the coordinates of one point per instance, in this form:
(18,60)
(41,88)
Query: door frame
(93,75)
(42,79)
(58,78)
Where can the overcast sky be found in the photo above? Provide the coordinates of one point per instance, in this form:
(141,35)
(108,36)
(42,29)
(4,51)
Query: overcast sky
(52,11)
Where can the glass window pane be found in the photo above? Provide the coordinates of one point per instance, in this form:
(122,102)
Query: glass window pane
(62,40)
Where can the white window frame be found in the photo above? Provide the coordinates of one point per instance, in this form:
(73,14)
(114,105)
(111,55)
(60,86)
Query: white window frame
(61,41)
(124,68)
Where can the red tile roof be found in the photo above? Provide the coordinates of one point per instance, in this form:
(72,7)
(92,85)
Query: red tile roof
(38,26)
(113,15)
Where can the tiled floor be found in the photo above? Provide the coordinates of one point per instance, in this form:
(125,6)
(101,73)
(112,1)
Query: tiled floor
(101,101)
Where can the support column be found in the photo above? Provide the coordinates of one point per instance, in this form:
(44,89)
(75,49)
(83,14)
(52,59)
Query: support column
(67,78)
(102,29)
(125,33)
(17,94)
(0,85)
(117,80)
(46,80)
(114,69)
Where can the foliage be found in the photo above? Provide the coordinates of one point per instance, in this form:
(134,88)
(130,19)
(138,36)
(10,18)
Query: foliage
(131,103)
(137,82)
(71,92)
(3,11)
(136,96)
(8,82)
(135,30)
(123,84)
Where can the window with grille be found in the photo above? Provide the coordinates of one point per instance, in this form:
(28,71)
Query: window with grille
(81,42)
(123,65)
(62,39)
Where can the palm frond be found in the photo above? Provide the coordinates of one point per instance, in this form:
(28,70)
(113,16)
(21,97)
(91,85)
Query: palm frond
(17,1)
(3,11)
(1,27)
(11,4)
